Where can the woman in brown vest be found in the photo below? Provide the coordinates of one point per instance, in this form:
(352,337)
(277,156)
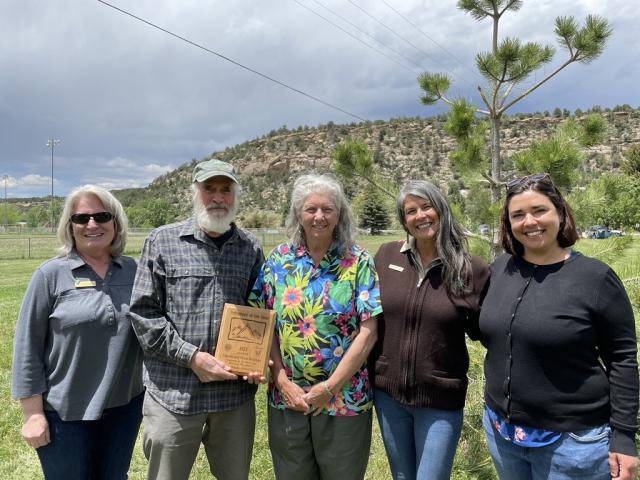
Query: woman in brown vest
(431,290)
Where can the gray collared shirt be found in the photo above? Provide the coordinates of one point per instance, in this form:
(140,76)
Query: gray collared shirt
(74,343)
(182,284)
(416,261)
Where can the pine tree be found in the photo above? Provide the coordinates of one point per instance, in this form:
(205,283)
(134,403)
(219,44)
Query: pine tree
(373,214)
(509,63)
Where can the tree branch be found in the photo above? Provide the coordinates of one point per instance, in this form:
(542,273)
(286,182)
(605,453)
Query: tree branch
(446,100)
(484,99)
(505,95)
(534,87)
(488,177)
(507,7)
(377,185)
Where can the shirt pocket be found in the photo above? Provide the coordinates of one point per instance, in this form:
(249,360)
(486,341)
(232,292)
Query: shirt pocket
(75,307)
(444,380)
(235,287)
(190,289)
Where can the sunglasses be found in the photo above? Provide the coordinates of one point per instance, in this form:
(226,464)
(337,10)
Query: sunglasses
(534,177)
(98,217)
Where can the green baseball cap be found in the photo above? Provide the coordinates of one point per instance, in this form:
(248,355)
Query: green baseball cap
(213,168)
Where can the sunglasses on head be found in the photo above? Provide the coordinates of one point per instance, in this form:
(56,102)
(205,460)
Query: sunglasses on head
(534,177)
(98,217)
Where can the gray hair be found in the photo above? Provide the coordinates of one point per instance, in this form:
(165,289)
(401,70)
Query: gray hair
(304,186)
(110,204)
(451,243)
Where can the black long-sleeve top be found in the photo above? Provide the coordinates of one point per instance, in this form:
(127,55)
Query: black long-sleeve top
(561,347)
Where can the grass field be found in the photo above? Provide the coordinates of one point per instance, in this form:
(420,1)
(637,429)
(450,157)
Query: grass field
(18,461)
(42,246)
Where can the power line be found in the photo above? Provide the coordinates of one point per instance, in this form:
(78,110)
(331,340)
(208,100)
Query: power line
(356,38)
(363,32)
(476,74)
(429,38)
(407,41)
(267,77)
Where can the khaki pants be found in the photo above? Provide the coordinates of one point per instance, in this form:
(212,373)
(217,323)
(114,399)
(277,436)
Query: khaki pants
(304,447)
(171,441)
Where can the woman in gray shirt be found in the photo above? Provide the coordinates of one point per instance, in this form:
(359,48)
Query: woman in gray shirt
(77,366)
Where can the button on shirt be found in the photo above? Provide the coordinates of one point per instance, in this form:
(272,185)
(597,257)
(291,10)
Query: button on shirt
(74,343)
(182,284)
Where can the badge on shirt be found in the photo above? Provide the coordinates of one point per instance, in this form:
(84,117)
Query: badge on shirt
(396,268)
(84,283)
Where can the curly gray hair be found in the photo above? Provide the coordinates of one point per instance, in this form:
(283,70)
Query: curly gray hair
(327,184)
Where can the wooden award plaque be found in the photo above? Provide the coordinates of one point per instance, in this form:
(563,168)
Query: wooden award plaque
(244,341)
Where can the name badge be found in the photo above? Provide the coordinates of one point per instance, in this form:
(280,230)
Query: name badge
(396,268)
(84,283)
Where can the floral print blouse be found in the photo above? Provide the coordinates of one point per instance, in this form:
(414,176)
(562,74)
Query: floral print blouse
(519,434)
(318,315)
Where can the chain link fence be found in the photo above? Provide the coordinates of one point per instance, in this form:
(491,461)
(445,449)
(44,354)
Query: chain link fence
(39,244)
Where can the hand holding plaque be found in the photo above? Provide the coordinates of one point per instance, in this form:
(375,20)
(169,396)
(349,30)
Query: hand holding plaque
(244,341)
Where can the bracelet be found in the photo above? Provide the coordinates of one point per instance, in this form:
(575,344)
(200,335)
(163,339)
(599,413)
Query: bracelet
(327,389)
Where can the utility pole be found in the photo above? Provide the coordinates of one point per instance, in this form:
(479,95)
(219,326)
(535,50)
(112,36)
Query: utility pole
(6,208)
(52,142)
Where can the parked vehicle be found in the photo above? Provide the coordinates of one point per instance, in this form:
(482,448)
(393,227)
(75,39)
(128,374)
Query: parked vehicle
(596,231)
(603,233)
(600,232)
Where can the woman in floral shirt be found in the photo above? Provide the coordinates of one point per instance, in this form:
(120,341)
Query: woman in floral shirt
(324,289)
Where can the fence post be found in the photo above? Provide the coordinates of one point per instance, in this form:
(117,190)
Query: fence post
(29,255)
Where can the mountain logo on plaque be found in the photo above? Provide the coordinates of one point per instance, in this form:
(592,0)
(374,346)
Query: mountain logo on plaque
(244,341)
(247,330)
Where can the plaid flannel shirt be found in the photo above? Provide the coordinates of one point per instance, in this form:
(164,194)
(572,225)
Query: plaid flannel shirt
(182,283)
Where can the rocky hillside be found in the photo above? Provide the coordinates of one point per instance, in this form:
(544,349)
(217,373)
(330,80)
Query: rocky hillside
(403,148)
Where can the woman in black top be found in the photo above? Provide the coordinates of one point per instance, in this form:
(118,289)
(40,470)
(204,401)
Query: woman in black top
(561,371)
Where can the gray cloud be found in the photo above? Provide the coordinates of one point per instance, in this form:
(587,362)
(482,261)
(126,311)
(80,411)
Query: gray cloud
(130,102)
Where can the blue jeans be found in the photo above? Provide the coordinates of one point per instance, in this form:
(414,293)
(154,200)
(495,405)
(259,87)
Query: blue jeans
(92,449)
(420,442)
(582,454)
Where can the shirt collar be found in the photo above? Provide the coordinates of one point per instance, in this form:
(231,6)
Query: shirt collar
(75,260)
(191,228)
(409,246)
(301,250)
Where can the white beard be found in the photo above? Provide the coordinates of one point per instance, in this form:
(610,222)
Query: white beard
(210,221)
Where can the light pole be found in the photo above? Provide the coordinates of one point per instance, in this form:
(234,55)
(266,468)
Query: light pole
(52,142)
(6,211)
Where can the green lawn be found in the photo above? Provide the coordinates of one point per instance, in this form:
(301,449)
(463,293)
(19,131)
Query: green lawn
(43,246)
(17,461)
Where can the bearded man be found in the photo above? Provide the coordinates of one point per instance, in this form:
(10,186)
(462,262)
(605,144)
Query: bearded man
(186,273)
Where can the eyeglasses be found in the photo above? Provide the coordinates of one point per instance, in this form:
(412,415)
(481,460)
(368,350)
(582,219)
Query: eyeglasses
(98,217)
(534,177)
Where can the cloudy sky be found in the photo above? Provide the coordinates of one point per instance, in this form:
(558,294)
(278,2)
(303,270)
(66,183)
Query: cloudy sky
(130,102)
